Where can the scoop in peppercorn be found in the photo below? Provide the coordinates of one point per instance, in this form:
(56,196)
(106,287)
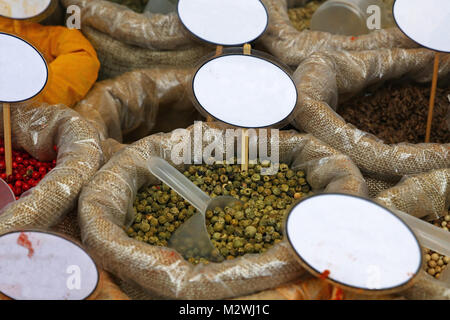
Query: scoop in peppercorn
(191,239)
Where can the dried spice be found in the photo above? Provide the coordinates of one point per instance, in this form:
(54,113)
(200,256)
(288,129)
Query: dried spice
(27,172)
(435,262)
(253,227)
(301,17)
(398,113)
(135,5)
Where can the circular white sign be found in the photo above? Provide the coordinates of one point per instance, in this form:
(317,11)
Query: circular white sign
(360,243)
(23,70)
(224,22)
(23,9)
(36,265)
(244,91)
(425,22)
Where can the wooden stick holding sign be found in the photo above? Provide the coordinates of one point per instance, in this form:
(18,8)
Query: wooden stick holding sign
(240,88)
(432,97)
(24,75)
(7,137)
(245,138)
(409,16)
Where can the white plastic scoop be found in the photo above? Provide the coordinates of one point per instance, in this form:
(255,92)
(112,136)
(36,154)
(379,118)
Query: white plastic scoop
(191,239)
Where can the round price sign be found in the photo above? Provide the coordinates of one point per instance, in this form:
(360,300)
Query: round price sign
(356,242)
(425,22)
(37,265)
(23,9)
(23,70)
(245,91)
(224,22)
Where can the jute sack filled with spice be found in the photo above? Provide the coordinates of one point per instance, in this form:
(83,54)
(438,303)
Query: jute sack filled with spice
(328,77)
(126,40)
(105,202)
(37,129)
(291,46)
(426,196)
(137,103)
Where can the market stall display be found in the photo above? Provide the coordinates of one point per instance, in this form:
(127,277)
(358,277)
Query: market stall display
(327,80)
(126,40)
(252,225)
(24,76)
(105,202)
(37,129)
(408,15)
(291,46)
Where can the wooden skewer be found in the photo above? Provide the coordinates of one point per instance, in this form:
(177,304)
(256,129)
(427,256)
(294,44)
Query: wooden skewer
(244,150)
(245,139)
(432,96)
(7,136)
(219,50)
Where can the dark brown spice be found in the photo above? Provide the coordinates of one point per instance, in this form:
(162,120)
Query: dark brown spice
(398,113)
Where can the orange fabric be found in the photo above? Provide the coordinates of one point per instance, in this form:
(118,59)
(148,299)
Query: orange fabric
(72,61)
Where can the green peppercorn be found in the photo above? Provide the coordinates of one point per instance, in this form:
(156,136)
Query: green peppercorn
(252,227)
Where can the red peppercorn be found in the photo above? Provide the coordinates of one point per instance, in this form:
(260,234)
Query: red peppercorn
(27,172)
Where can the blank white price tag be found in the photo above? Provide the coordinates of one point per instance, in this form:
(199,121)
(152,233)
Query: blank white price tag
(23,70)
(37,265)
(23,9)
(360,243)
(224,22)
(244,91)
(425,22)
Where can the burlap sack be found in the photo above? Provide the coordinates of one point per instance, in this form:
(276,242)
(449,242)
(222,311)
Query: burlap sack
(291,46)
(126,40)
(325,77)
(140,102)
(36,129)
(162,272)
(425,196)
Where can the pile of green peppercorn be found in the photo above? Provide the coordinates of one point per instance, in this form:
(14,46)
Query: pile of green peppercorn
(253,227)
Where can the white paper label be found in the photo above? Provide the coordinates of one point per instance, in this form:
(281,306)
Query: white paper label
(23,9)
(360,243)
(425,22)
(23,70)
(245,91)
(224,22)
(38,265)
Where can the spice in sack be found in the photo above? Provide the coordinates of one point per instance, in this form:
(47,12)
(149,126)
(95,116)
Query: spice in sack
(27,172)
(398,113)
(301,16)
(435,263)
(253,227)
(135,5)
